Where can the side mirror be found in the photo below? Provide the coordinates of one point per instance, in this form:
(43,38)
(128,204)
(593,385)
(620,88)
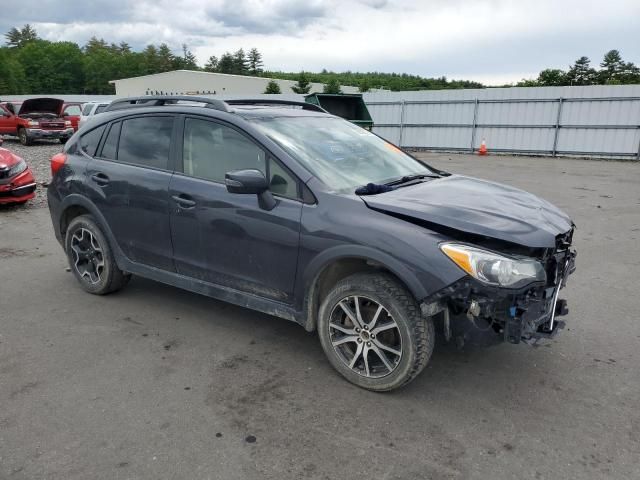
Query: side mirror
(250,181)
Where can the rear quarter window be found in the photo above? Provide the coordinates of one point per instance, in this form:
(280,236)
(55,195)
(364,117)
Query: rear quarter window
(89,141)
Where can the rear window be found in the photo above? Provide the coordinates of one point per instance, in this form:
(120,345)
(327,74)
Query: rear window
(100,109)
(87,109)
(145,141)
(89,141)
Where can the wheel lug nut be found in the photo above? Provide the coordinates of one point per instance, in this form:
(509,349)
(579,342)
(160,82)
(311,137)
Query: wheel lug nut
(373,336)
(366,327)
(359,340)
(357,330)
(368,344)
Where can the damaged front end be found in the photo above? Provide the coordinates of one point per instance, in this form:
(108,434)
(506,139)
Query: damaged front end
(474,311)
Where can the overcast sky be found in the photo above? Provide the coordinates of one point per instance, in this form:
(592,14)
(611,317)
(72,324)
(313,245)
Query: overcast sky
(492,41)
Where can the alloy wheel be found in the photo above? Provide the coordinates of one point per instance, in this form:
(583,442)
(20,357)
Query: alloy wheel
(87,256)
(365,336)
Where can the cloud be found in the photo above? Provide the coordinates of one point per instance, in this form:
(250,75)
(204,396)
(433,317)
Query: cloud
(488,40)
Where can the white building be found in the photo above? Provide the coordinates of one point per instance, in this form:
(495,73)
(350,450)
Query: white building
(189,82)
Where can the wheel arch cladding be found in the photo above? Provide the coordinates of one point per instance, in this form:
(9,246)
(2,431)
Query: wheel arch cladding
(332,266)
(75,205)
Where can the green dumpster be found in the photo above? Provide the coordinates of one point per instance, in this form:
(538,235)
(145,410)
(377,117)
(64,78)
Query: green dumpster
(349,106)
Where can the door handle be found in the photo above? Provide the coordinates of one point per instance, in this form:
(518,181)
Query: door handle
(183,201)
(100,178)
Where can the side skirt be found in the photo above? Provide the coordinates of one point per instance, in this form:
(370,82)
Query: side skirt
(218,292)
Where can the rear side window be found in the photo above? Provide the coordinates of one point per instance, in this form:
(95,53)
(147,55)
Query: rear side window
(110,146)
(89,141)
(145,141)
(100,109)
(87,109)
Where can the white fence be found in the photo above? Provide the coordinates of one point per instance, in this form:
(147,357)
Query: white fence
(585,121)
(599,121)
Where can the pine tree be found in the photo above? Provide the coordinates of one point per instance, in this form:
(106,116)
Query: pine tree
(19,38)
(165,58)
(212,64)
(255,62)
(612,67)
(226,63)
(240,66)
(581,73)
(303,86)
(552,77)
(272,87)
(332,86)
(364,85)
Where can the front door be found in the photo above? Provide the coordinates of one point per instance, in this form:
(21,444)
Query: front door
(7,122)
(129,183)
(225,238)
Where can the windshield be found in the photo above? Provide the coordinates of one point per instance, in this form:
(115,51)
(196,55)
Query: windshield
(340,154)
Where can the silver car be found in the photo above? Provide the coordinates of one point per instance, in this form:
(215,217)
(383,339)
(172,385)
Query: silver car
(90,109)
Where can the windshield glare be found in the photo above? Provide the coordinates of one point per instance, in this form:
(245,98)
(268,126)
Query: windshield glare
(340,154)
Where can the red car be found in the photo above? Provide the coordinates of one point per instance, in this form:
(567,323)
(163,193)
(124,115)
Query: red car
(72,112)
(34,119)
(17,184)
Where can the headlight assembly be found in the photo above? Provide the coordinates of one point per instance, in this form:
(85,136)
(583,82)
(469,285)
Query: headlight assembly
(19,167)
(492,268)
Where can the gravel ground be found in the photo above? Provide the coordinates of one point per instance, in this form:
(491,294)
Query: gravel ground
(37,157)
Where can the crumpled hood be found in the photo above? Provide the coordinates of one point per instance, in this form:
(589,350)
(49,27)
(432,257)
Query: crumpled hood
(41,105)
(479,207)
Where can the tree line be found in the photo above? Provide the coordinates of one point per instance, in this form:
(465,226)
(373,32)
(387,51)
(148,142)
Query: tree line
(613,71)
(31,65)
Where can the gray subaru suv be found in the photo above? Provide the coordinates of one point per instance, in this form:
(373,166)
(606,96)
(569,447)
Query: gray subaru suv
(280,207)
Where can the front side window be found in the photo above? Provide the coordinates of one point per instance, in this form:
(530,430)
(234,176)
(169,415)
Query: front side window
(340,154)
(212,149)
(145,141)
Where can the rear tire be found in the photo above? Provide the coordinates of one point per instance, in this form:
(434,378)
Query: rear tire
(91,258)
(373,332)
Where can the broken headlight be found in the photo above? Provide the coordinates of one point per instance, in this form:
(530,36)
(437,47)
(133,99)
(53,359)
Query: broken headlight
(19,167)
(492,268)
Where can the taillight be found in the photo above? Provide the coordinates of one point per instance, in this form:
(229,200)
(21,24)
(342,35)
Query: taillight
(57,161)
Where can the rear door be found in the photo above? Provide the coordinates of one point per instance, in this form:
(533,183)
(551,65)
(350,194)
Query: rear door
(129,182)
(226,238)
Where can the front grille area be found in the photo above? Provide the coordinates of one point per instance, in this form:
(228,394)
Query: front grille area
(51,125)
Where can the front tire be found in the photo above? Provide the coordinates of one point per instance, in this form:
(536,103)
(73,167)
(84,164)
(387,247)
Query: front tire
(91,259)
(373,332)
(24,138)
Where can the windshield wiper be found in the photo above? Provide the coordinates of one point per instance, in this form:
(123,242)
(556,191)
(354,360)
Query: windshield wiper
(411,178)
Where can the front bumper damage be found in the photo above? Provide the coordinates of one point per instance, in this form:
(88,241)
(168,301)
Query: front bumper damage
(475,313)
(38,133)
(17,189)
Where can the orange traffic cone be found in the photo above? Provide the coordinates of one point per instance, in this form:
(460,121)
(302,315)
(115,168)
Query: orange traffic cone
(483,148)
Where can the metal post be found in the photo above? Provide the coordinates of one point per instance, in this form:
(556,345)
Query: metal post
(555,137)
(402,104)
(474,124)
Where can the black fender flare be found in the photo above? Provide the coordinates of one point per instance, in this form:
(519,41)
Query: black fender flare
(323,260)
(77,200)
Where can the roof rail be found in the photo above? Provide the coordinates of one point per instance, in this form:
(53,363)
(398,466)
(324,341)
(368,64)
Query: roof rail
(160,100)
(269,101)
